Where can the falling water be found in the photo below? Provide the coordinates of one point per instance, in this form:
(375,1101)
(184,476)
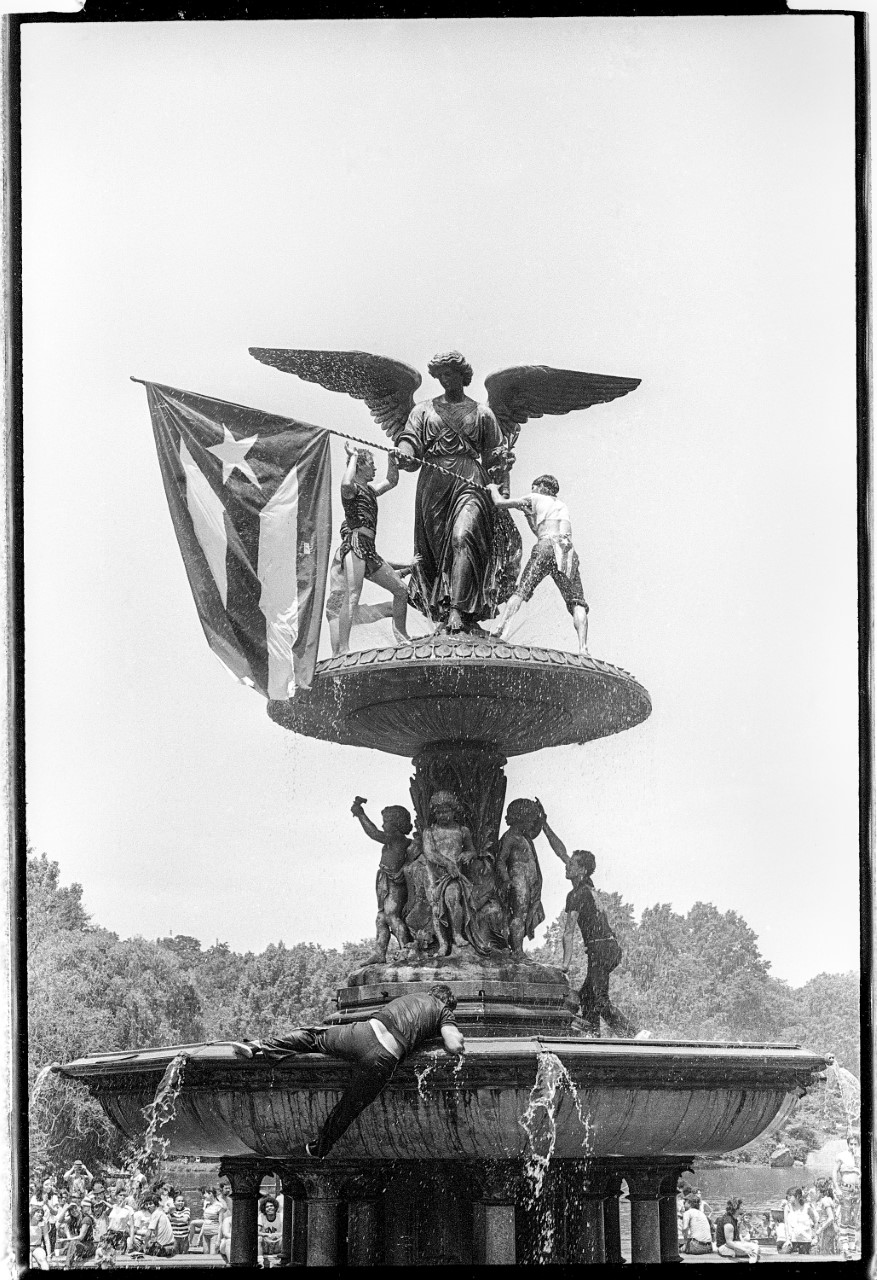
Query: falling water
(42,1077)
(421,1079)
(158,1113)
(850,1093)
(539,1122)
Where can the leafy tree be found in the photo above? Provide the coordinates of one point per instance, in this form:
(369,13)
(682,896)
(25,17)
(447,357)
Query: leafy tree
(50,906)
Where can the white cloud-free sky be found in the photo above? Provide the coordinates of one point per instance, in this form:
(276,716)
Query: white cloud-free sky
(669,199)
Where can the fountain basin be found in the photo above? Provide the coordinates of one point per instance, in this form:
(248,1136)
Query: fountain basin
(520,698)
(641,1098)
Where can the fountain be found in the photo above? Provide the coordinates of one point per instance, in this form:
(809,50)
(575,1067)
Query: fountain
(470,1162)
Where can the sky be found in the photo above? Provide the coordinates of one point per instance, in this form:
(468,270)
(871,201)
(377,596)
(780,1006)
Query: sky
(667,199)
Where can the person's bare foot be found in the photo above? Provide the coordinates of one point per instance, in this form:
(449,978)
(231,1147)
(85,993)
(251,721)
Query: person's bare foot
(455,621)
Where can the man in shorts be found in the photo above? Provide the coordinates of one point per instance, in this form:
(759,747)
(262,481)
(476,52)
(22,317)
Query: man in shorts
(553,554)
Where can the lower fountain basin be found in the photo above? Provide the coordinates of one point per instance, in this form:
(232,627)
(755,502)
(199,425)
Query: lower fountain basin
(640,1098)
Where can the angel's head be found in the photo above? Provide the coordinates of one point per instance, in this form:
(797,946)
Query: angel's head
(451,367)
(546,484)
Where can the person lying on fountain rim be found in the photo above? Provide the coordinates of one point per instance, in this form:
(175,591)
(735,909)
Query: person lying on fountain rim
(374,1046)
(601,944)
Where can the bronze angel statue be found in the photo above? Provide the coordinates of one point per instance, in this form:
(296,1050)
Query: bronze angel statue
(467,550)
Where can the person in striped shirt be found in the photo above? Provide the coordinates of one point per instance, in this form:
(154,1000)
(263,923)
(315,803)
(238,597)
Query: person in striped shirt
(179,1217)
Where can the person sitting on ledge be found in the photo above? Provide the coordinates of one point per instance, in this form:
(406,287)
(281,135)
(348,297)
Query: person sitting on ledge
(375,1047)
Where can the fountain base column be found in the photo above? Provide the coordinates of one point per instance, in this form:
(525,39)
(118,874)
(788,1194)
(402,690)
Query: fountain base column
(245,1178)
(293,1235)
(667,1212)
(612,1219)
(584,1194)
(323,1200)
(645,1186)
(362,1190)
(495,1217)
(473,771)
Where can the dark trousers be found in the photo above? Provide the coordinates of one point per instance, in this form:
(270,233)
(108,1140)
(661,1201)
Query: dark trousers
(355,1043)
(604,955)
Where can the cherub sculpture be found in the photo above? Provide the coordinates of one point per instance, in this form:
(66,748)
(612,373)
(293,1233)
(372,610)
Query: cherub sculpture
(518,873)
(553,554)
(357,559)
(467,549)
(391,888)
(447,849)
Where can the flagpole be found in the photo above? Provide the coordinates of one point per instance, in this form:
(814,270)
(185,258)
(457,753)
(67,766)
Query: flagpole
(369,444)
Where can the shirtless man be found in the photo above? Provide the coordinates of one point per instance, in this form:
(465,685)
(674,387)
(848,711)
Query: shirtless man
(553,553)
(391,887)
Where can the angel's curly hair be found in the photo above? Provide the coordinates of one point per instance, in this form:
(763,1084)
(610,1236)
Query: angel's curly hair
(451,360)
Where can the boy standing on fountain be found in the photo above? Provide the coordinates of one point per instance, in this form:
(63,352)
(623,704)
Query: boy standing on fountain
(375,1047)
(601,944)
(553,554)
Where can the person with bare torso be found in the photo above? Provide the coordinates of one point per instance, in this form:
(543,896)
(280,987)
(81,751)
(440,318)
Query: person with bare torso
(553,553)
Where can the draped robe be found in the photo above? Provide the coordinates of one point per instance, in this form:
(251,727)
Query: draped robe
(461,560)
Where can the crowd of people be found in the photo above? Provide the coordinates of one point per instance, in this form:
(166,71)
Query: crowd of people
(811,1221)
(79,1218)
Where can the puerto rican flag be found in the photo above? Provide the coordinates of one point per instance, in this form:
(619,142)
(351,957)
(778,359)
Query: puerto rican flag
(250,498)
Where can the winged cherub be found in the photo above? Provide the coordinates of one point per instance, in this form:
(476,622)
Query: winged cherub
(468,549)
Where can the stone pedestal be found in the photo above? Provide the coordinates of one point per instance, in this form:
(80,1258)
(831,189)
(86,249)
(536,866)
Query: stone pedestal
(612,1219)
(668,1219)
(645,1214)
(495,1210)
(323,1201)
(245,1179)
(293,1241)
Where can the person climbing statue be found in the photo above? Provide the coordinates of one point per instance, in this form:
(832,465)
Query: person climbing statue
(356,559)
(553,553)
(601,944)
(374,1046)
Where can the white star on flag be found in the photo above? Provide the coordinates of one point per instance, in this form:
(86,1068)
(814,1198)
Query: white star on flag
(233,453)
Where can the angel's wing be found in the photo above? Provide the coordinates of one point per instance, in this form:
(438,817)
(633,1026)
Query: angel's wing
(530,390)
(387,386)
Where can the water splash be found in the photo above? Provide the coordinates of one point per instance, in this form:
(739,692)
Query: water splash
(421,1078)
(850,1093)
(158,1113)
(539,1120)
(42,1076)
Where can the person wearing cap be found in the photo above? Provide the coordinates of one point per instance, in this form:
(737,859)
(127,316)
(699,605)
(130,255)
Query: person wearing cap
(375,1047)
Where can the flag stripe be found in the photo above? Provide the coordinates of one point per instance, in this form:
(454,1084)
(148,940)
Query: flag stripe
(208,519)
(211,611)
(278,574)
(256,554)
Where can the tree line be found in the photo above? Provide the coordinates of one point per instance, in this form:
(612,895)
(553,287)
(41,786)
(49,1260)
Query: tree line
(697,976)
